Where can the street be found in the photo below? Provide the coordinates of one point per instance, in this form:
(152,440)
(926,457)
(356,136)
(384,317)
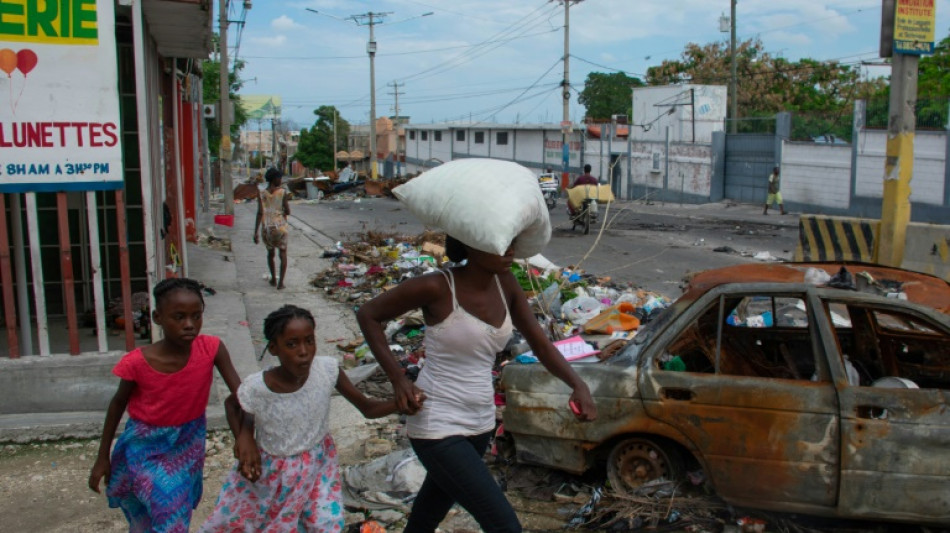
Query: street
(649,245)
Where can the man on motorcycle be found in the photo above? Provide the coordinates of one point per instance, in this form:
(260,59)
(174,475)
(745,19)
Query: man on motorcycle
(584,179)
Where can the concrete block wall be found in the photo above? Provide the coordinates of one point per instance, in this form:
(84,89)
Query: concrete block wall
(928,183)
(816,174)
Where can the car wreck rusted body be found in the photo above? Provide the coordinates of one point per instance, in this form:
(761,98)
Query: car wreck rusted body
(793,412)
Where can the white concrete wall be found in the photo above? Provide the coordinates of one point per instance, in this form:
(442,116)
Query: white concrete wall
(690,166)
(702,105)
(816,174)
(927,184)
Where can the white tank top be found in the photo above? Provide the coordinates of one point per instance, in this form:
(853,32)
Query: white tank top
(456,377)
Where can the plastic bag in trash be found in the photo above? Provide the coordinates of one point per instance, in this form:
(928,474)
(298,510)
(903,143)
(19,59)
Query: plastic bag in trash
(816,276)
(615,318)
(551,299)
(842,280)
(581,309)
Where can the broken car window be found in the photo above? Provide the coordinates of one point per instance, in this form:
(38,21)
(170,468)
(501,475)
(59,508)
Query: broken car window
(762,336)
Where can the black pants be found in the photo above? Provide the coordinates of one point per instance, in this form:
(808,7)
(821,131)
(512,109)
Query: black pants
(455,472)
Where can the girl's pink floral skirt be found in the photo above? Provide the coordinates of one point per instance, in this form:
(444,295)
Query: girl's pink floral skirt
(297,493)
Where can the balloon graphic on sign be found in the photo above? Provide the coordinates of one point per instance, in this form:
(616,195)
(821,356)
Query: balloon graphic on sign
(8,59)
(25,60)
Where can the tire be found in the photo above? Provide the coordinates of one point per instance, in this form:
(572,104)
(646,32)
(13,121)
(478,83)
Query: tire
(551,201)
(634,462)
(587,220)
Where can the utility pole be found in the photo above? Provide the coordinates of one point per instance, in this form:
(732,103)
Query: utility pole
(225,88)
(371,19)
(566,95)
(396,85)
(336,166)
(904,44)
(273,142)
(733,86)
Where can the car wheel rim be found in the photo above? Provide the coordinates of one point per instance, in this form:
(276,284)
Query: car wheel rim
(636,462)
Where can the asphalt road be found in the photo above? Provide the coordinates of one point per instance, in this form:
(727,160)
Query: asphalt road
(652,246)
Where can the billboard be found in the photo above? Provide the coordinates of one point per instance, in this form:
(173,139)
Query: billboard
(914,22)
(261,106)
(59,96)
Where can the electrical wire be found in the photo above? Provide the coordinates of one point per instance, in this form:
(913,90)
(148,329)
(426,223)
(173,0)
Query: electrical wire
(476,51)
(410,52)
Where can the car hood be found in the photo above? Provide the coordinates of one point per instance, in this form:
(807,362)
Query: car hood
(923,289)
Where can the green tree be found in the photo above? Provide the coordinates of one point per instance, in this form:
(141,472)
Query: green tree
(820,94)
(605,95)
(315,147)
(211,94)
(933,86)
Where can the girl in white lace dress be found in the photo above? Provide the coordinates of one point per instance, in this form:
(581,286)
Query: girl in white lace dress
(287,477)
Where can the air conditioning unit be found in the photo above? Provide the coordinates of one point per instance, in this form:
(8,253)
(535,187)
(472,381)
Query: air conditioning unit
(208,111)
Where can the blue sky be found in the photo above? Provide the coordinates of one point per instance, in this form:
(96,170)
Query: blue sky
(500,61)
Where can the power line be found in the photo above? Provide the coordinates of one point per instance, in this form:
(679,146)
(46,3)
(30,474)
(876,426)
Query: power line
(461,59)
(411,52)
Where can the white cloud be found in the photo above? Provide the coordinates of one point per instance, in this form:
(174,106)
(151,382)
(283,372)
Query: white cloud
(285,23)
(274,41)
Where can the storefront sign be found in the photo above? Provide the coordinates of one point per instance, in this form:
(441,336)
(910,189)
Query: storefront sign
(914,22)
(59,97)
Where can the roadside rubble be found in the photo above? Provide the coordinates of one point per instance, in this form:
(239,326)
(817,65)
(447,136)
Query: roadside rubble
(582,313)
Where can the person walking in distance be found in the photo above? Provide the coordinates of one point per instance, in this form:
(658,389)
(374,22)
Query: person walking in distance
(273,209)
(775,192)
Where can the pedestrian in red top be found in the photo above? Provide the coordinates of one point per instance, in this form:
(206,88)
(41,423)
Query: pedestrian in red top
(583,179)
(155,472)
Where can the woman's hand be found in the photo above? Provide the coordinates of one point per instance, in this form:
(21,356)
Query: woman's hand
(257,238)
(248,456)
(582,404)
(102,469)
(408,397)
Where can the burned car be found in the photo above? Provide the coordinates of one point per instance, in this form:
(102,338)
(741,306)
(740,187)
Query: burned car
(790,396)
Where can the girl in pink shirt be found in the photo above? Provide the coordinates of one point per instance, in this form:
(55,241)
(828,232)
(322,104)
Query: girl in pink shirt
(155,471)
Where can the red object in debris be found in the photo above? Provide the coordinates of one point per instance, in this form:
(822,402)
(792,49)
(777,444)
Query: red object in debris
(375,269)
(224,220)
(574,407)
(343,283)
(371,526)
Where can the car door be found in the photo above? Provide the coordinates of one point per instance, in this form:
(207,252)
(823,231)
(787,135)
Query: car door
(895,454)
(754,399)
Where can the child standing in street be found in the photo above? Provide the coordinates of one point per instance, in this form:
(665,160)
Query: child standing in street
(293,482)
(155,472)
(775,192)
(273,209)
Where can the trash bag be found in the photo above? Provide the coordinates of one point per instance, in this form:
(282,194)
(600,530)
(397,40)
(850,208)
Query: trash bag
(816,276)
(581,309)
(842,280)
(615,318)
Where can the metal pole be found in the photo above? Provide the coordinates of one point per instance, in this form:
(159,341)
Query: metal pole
(19,265)
(371,49)
(225,87)
(336,166)
(566,95)
(733,128)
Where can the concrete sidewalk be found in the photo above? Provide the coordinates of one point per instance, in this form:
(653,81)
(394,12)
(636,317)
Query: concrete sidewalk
(235,313)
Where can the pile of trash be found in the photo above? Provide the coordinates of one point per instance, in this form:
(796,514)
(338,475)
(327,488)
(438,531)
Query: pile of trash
(584,315)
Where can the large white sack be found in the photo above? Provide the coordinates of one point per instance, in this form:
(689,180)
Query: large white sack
(485,203)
